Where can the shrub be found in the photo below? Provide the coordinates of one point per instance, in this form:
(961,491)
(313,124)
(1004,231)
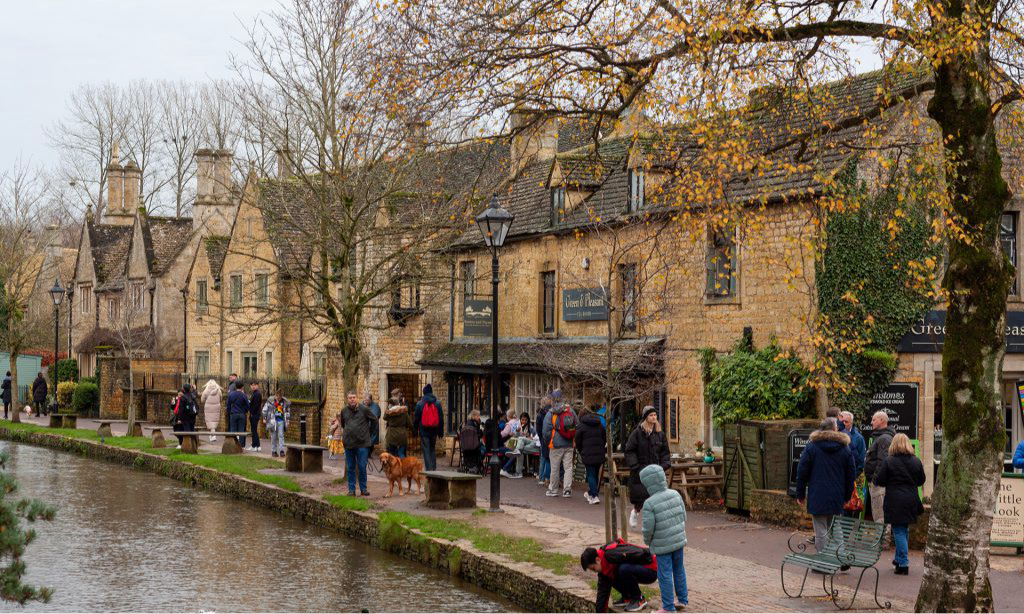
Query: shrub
(765,384)
(67,370)
(86,399)
(65,392)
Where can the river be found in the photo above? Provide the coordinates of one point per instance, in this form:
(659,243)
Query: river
(127,540)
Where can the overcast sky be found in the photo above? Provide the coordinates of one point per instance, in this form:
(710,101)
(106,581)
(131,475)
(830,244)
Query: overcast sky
(51,46)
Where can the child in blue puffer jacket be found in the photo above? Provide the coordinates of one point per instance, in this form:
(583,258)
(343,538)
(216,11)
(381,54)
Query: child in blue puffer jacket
(665,533)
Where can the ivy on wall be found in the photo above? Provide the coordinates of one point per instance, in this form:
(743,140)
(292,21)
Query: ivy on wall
(875,276)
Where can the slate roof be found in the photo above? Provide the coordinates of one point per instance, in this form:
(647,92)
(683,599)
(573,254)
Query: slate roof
(575,357)
(164,238)
(290,221)
(109,252)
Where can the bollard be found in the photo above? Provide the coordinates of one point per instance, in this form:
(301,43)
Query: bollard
(302,429)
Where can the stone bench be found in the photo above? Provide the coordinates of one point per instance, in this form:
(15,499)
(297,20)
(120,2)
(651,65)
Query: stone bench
(63,421)
(190,441)
(104,428)
(450,489)
(157,433)
(304,458)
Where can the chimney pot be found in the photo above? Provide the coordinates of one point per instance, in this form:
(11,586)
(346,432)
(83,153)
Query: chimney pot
(534,137)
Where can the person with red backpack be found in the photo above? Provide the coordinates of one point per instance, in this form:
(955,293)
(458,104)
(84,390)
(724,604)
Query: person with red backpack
(559,432)
(624,567)
(428,421)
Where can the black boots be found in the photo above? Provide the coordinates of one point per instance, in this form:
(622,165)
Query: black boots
(902,571)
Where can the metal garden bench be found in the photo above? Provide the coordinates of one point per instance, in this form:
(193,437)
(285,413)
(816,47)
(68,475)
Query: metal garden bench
(851,542)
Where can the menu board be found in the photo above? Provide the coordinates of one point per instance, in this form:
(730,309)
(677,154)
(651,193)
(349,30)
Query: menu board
(1008,519)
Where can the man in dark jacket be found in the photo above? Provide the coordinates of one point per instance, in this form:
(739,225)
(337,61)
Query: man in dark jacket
(6,394)
(357,422)
(255,411)
(646,445)
(238,409)
(184,412)
(858,448)
(623,572)
(824,477)
(881,440)
(429,425)
(544,470)
(590,441)
(39,391)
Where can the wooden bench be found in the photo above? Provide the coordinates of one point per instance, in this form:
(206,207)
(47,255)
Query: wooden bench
(450,489)
(851,542)
(190,441)
(686,475)
(303,458)
(63,421)
(104,428)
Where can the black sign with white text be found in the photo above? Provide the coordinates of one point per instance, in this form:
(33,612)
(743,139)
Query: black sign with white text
(899,401)
(583,304)
(928,334)
(476,319)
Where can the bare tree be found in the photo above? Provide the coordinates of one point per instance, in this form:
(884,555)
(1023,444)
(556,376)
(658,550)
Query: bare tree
(133,339)
(181,129)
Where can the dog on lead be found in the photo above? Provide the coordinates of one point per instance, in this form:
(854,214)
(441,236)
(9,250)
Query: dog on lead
(398,469)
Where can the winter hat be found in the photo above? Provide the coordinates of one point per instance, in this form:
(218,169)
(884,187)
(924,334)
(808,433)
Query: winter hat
(428,389)
(556,395)
(648,411)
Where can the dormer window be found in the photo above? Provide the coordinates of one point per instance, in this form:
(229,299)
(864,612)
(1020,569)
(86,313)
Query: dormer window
(557,203)
(636,190)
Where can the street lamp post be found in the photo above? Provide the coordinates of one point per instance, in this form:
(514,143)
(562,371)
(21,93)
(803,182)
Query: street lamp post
(494,224)
(57,294)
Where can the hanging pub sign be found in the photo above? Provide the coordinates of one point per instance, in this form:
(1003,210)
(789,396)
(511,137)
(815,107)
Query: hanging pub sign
(1008,519)
(928,334)
(476,318)
(797,442)
(584,304)
(899,401)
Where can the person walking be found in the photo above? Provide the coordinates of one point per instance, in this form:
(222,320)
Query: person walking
(238,409)
(357,434)
(184,412)
(375,410)
(428,423)
(859,449)
(881,440)
(211,400)
(544,469)
(901,474)
(824,477)
(255,410)
(624,567)
(591,442)
(276,414)
(646,445)
(39,392)
(665,534)
(5,394)
(398,423)
(560,432)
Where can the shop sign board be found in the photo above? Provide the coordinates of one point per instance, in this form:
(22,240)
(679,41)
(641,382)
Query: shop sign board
(584,304)
(929,333)
(476,318)
(797,443)
(1008,519)
(899,401)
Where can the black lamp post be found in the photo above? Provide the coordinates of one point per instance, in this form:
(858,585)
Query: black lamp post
(494,224)
(57,294)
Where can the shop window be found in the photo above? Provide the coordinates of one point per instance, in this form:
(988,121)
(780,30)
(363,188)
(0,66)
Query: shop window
(530,389)
(722,264)
(548,309)
(1008,241)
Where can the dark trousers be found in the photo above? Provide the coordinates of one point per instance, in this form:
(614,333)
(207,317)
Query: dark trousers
(471,460)
(236,424)
(398,451)
(254,428)
(40,407)
(628,579)
(185,426)
(429,455)
(7,408)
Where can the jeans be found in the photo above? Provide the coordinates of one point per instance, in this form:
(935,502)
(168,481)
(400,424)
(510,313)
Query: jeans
(276,428)
(899,537)
(629,577)
(254,428)
(593,488)
(671,572)
(429,455)
(355,460)
(398,451)
(236,424)
(561,469)
(544,473)
(524,446)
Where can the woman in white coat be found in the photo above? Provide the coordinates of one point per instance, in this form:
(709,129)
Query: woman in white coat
(212,395)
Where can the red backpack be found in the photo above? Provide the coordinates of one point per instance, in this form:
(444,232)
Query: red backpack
(431,416)
(565,424)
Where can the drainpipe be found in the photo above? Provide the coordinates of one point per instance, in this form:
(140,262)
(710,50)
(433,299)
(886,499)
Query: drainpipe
(451,309)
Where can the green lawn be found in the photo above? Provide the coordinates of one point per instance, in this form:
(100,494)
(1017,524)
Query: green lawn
(346,502)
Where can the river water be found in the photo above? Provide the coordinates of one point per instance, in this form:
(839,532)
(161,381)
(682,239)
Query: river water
(127,540)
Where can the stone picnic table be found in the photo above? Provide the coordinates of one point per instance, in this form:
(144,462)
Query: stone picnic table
(450,489)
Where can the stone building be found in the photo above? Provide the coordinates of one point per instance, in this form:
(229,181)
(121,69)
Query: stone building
(58,263)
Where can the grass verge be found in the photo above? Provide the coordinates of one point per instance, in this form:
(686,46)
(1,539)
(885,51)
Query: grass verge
(346,502)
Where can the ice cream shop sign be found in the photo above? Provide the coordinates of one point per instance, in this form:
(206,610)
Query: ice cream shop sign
(928,335)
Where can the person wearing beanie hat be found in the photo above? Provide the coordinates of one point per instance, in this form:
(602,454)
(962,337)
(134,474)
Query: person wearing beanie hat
(428,422)
(646,445)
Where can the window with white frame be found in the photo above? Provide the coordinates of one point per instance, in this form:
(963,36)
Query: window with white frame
(113,310)
(531,388)
(262,289)
(202,297)
(137,290)
(636,190)
(202,362)
(85,298)
(320,363)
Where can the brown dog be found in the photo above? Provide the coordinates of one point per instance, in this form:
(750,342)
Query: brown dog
(402,468)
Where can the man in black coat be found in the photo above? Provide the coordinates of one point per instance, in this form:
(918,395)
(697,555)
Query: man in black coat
(255,411)
(881,439)
(646,445)
(590,441)
(39,392)
(6,394)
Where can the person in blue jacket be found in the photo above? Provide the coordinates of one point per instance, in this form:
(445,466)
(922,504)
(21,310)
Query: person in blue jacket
(1018,456)
(859,448)
(824,477)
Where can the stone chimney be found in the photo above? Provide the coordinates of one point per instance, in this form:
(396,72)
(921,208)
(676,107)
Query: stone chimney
(132,187)
(534,137)
(204,174)
(54,245)
(213,210)
(115,183)
(415,136)
(222,182)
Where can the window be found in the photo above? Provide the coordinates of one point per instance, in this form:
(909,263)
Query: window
(202,362)
(557,204)
(468,272)
(138,295)
(1008,241)
(548,302)
(231,361)
(530,389)
(627,281)
(721,264)
(113,310)
(236,290)
(202,298)
(636,190)
(268,359)
(85,299)
(262,289)
(405,296)
(250,365)
(319,363)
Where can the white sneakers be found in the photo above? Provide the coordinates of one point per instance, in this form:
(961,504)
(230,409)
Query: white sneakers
(632,518)
(591,500)
(551,493)
(514,476)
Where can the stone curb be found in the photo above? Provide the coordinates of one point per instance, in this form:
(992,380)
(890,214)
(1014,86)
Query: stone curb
(520,583)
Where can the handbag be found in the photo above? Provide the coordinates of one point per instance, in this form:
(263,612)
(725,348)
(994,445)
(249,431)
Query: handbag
(855,504)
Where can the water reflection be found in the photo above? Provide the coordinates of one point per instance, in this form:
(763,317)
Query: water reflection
(131,541)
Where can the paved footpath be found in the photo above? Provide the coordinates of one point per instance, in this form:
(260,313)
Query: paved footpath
(732,565)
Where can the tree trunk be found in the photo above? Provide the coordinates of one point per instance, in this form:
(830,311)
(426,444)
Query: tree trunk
(976,282)
(131,399)
(16,403)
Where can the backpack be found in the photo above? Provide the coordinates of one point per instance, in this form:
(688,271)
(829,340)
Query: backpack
(431,417)
(620,552)
(565,424)
(469,438)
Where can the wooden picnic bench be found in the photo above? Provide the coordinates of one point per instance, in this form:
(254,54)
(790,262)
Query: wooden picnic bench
(303,458)
(688,474)
(63,421)
(104,428)
(851,542)
(190,441)
(450,489)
